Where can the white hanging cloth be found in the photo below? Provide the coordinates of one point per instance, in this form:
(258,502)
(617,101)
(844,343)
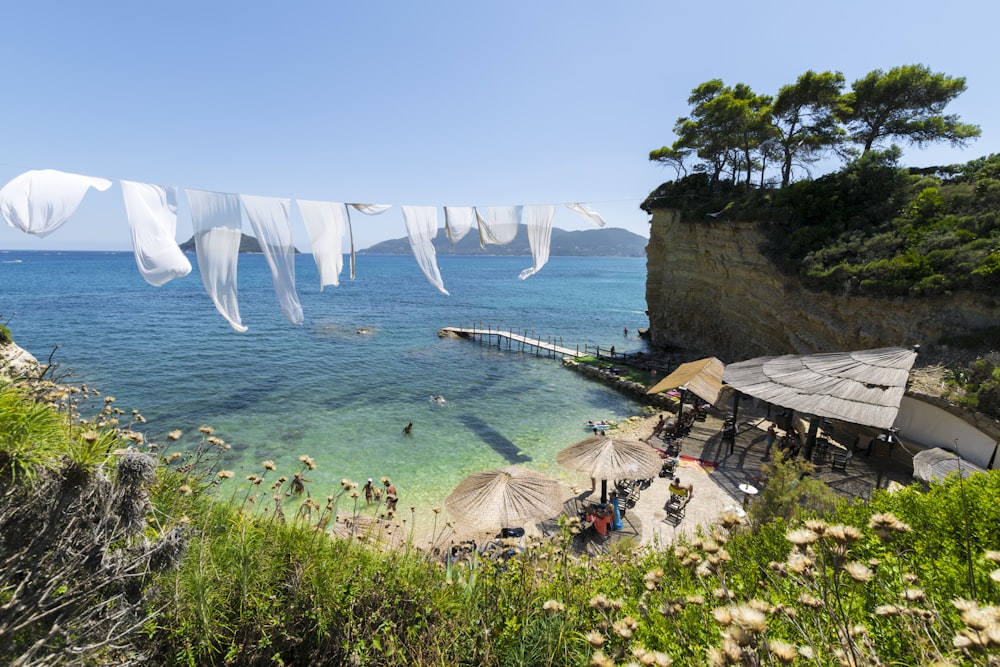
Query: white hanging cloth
(39,201)
(367,209)
(152,216)
(500,226)
(326,223)
(538,220)
(217,224)
(269,219)
(421,228)
(588,213)
(458,220)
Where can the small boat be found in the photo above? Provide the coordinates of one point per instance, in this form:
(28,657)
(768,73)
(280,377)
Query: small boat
(598,425)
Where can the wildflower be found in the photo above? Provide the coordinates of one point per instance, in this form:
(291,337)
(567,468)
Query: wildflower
(887,610)
(810,601)
(995,576)
(601,660)
(695,599)
(224,474)
(355,494)
(622,629)
(185,490)
(913,594)
(886,524)
(175,435)
(174,456)
(553,606)
(207,430)
(437,510)
(269,465)
(801,536)
(816,526)
(844,534)
(252,478)
(308,460)
(749,618)
(797,563)
(858,572)
(645,657)
(723,616)
(992,556)
(109,399)
(91,437)
(783,651)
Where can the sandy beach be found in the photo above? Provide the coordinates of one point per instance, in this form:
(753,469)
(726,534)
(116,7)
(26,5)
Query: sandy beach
(714,470)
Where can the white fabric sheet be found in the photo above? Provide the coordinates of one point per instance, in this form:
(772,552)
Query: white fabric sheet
(217,224)
(458,220)
(367,209)
(39,201)
(421,228)
(500,226)
(152,216)
(326,223)
(588,213)
(269,219)
(538,220)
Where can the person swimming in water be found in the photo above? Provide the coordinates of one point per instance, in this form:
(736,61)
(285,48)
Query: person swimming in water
(439,399)
(408,429)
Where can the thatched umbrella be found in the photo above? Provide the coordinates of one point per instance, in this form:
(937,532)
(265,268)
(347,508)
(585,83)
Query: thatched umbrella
(505,498)
(937,463)
(605,457)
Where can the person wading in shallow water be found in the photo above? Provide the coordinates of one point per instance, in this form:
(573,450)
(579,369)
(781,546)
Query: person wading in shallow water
(390,496)
(408,429)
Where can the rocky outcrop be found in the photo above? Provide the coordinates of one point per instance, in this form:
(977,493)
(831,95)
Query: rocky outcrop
(16,362)
(709,288)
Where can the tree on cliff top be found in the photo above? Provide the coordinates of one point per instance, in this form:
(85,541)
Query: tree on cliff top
(906,103)
(733,130)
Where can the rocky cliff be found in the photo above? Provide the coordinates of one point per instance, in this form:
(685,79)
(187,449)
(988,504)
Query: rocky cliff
(710,288)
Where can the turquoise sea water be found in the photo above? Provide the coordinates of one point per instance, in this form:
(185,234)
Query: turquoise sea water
(324,389)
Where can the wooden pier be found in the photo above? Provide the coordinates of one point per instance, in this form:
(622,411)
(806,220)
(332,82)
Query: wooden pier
(520,341)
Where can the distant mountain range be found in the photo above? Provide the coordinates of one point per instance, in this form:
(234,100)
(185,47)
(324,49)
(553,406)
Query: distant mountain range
(607,242)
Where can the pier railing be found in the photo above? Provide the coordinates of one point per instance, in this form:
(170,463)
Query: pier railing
(519,339)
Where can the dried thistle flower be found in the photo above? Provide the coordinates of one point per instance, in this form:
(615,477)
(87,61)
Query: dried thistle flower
(553,606)
(269,465)
(783,651)
(207,430)
(858,572)
(801,536)
(224,474)
(595,638)
(175,435)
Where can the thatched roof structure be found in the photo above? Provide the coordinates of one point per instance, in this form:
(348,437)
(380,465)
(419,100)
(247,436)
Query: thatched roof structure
(863,387)
(703,378)
(937,463)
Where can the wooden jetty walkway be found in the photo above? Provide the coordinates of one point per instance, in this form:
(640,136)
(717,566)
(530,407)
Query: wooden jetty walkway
(513,341)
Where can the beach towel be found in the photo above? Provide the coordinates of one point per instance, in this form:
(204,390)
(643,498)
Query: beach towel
(218,227)
(421,228)
(152,216)
(588,213)
(458,220)
(500,225)
(538,220)
(367,209)
(326,224)
(269,219)
(38,202)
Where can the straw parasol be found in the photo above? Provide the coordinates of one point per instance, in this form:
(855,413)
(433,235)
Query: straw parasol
(605,457)
(937,463)
(505,498)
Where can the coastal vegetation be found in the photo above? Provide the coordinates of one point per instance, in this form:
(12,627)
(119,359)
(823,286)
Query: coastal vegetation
(118,549)
(873,227)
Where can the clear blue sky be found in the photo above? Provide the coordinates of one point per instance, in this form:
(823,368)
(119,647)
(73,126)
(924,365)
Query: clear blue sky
(427,103)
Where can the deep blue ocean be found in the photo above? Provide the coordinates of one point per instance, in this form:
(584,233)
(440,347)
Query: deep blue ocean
(322,388)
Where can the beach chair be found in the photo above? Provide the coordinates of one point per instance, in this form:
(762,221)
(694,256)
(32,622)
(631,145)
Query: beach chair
(840,460)
(676,504)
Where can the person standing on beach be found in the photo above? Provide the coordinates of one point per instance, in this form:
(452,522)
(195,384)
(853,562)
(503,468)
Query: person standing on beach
(617,523)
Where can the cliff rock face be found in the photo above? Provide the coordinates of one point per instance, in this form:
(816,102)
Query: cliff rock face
(709,288)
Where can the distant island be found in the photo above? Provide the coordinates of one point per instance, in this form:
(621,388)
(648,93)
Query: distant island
(248,244)
(606,242)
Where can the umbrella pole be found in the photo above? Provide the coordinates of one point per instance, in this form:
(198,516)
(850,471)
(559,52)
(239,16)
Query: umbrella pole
(604,491)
